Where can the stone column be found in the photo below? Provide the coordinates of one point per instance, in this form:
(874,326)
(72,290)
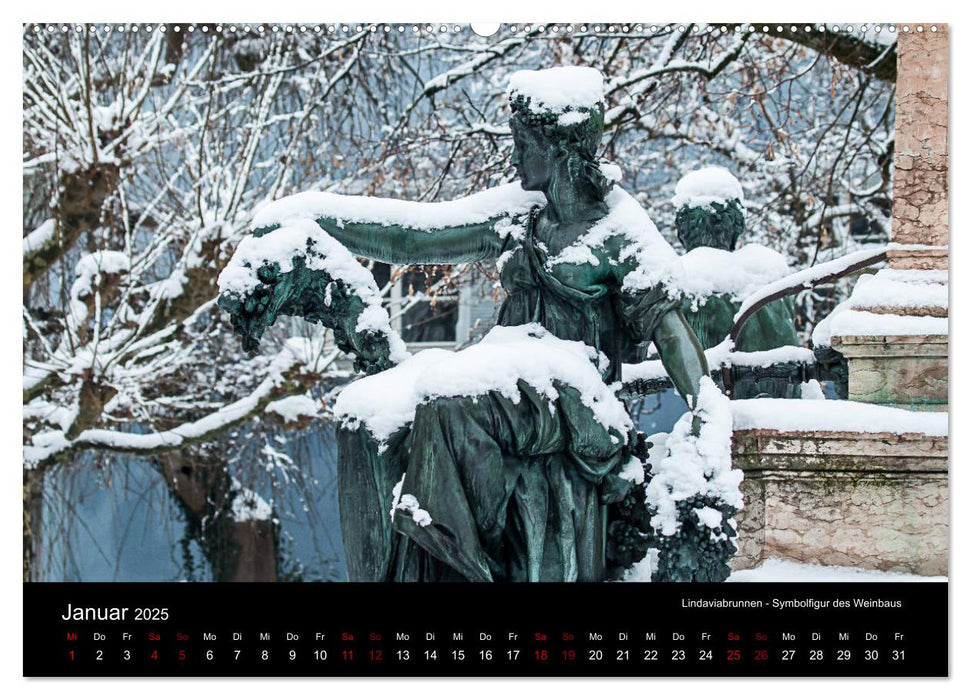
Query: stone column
(901,359)
(920,150)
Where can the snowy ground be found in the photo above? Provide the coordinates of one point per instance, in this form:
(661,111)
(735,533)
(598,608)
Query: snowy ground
(780,570)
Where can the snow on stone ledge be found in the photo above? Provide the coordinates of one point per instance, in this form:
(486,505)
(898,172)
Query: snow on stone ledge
(505,200)
(844,321)
(387,401)
(558,89)
(796,415)
(907,289)
(888,289)
(736,272)
(775,570)
(705,186)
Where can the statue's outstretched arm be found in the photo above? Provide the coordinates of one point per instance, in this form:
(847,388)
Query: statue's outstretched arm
(300,260)
(464,230)
(400,245)
(681,354)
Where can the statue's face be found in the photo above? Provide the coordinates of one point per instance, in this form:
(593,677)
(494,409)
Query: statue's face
(532,157)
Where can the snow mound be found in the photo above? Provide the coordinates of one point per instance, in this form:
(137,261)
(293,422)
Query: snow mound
(387,401)
(797,415)
(690,465)
(703,187)
(739,272)
(558,89)
(774,570)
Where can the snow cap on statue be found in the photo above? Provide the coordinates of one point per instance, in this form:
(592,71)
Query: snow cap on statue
(557,97)
(702,187)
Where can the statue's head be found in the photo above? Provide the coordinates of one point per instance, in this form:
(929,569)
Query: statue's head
(710,210)
(557,124)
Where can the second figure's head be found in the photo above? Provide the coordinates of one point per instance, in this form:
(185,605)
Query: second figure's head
(710,210)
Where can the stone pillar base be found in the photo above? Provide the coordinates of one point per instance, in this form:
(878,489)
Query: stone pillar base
(869,500)
(907,371)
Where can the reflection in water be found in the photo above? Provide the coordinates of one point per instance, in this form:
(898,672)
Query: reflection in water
(110,518)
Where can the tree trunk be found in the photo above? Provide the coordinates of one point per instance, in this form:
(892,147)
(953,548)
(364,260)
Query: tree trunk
(33,519)
(236,551)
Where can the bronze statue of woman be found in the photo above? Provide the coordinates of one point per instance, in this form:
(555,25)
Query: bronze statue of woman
(490,486)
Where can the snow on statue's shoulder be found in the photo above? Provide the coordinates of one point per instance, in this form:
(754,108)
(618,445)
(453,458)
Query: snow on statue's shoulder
(736,272)
(701,188)
(558,89)
(387,401)
(503,201)
(655,262)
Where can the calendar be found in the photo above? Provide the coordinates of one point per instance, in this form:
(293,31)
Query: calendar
(668,631)
(426,349)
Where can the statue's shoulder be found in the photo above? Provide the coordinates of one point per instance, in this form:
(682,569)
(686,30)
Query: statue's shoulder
(641,257)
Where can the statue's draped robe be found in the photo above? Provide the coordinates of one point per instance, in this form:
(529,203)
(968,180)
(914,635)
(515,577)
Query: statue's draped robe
(770,327)
(515,491)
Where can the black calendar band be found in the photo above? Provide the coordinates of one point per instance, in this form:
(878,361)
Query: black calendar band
(622,629)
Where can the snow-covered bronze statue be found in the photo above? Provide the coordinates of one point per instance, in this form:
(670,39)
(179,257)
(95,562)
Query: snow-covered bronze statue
(497,462)
(710,220)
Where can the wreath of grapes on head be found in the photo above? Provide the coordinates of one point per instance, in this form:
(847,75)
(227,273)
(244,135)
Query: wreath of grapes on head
(584,131)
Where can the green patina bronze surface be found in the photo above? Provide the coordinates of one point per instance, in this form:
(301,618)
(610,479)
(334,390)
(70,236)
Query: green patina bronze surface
(720,225)
(518,492)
